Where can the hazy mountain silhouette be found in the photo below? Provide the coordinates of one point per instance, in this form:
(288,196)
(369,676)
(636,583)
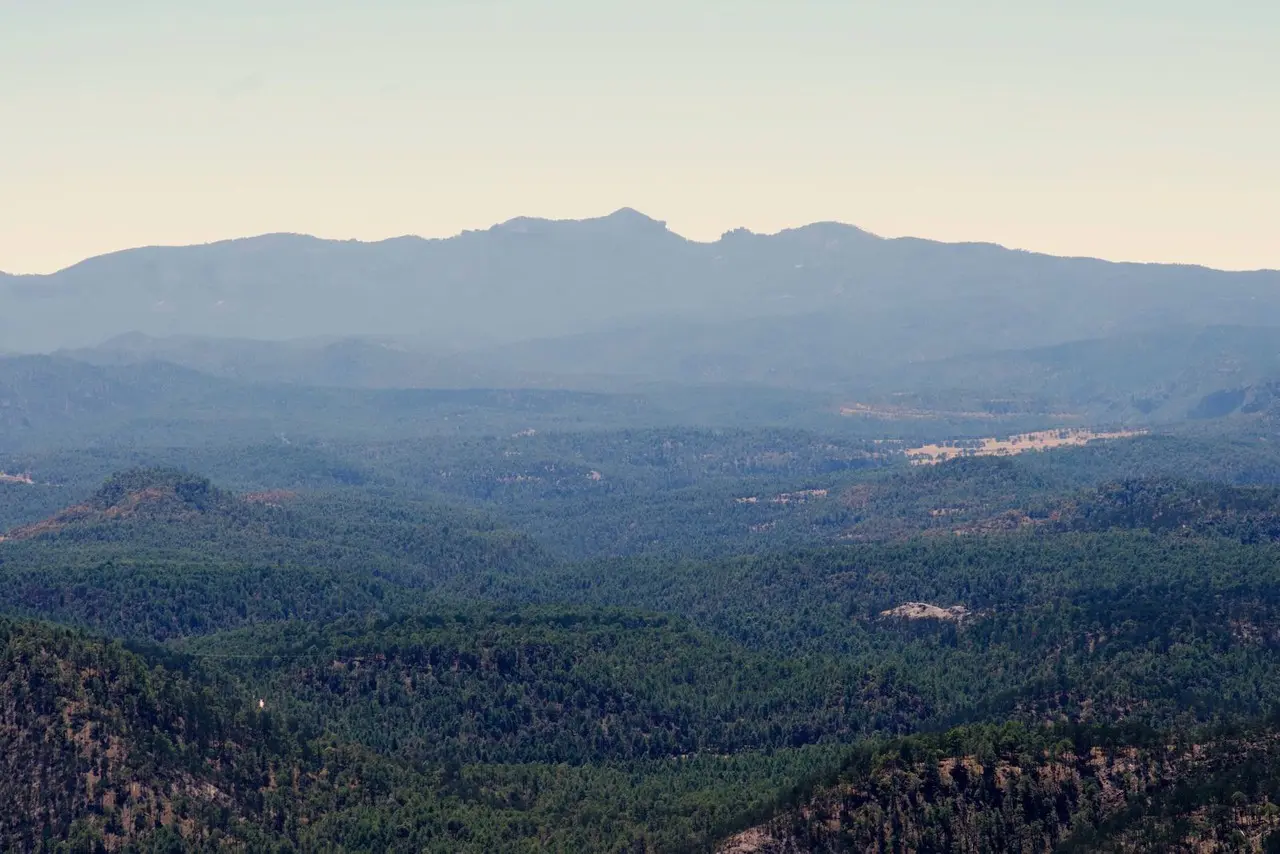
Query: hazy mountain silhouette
(860,296)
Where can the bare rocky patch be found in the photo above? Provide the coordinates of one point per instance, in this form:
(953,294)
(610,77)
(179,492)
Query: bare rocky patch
(927,611)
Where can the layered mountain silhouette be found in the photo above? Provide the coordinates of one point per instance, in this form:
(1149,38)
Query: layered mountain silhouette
(835,290)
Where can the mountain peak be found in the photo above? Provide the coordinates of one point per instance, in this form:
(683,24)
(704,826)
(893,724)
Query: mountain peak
(621,221)
(141,486)
(631,216)
(830,230)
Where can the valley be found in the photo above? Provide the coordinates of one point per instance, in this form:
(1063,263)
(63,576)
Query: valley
(646,587)
(415,615)
(639,428)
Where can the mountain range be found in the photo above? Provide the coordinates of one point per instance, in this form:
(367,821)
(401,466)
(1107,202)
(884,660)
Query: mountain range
(847,294)
(582,536)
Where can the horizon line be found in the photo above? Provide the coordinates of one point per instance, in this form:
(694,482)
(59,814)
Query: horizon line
(633,213)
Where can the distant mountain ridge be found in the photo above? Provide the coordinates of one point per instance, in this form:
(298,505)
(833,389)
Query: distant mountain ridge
(528,278)
(1165,375)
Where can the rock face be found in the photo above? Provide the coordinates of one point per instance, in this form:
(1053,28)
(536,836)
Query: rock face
(926,611)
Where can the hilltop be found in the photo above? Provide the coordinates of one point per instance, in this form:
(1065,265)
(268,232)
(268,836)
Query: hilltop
(162,553)
(164,495)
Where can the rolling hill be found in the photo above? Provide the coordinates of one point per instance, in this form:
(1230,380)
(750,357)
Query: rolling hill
(157,553)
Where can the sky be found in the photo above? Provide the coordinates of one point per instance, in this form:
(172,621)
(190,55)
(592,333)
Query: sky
(1128,129)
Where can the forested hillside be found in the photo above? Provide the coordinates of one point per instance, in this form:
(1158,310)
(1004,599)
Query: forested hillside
(107,749)
(1062,788)
(668,638)
(100,749)
(345,510)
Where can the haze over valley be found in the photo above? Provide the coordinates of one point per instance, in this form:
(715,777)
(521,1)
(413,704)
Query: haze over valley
(827,316)
(729,522)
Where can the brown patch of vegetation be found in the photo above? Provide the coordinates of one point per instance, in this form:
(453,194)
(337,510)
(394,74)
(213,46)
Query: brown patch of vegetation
(1041,440)
(71,515)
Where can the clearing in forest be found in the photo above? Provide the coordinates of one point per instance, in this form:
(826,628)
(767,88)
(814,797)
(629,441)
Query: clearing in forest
(927,611)
(1041,440)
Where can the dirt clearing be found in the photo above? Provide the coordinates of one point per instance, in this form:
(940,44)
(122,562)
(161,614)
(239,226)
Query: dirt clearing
(1042,440)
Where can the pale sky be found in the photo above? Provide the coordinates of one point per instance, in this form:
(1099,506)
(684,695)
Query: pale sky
(1126,129)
